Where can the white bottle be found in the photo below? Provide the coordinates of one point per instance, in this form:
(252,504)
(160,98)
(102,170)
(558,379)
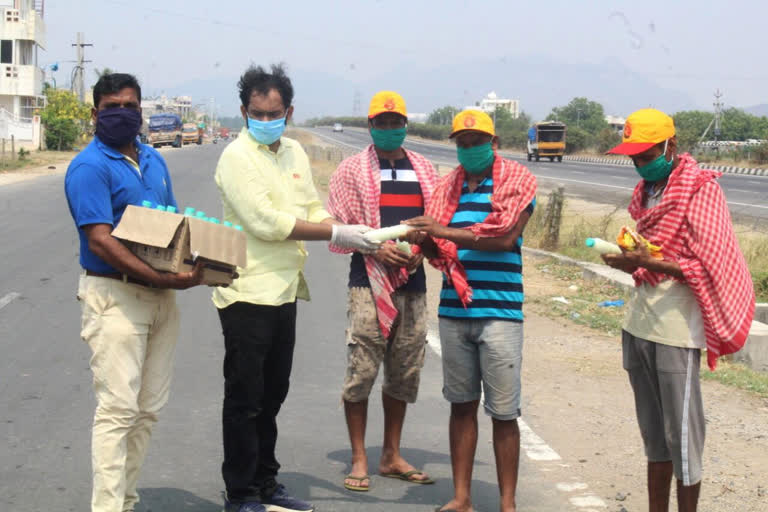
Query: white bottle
(602,246)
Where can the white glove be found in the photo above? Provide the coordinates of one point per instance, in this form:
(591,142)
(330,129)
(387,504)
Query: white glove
(350,236)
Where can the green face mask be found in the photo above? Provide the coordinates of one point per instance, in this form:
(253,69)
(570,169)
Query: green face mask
(476,159)
(658,169)
(388,140)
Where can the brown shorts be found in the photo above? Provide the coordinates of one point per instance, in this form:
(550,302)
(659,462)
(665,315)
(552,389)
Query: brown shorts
(402,354)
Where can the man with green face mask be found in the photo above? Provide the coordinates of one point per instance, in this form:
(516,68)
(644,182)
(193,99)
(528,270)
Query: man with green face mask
(382,186)
(699,295)
(472,232)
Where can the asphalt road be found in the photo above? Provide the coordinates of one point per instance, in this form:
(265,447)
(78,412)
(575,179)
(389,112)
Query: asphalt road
(747,195)
(46,401)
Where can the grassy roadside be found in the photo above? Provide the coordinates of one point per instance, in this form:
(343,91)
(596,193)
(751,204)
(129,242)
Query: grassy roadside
(34,160)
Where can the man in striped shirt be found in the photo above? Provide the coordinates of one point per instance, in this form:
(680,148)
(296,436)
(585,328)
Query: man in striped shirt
(475,223)
(382,186)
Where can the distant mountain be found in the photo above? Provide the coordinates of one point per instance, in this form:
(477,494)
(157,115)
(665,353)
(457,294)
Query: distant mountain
(757,110)
(540,83)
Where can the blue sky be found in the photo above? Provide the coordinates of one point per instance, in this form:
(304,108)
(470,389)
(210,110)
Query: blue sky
(687,46)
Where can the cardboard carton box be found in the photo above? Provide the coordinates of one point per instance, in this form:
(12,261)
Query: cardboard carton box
(169,242)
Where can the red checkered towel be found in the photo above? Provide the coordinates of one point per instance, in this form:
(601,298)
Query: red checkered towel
(693,226)
(354,197)
(514,187)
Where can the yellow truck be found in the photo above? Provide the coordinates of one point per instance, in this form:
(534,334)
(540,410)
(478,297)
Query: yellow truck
(191,134)
(546,139)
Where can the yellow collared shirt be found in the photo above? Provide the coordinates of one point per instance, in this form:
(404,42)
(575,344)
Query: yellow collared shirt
(266,192)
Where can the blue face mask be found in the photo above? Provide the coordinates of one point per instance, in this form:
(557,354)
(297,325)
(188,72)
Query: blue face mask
(266,132)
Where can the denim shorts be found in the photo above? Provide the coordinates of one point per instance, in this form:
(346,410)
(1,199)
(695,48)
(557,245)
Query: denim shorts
(483,357)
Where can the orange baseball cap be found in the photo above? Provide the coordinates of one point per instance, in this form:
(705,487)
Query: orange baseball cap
(386,101)
(644,129)
(476,120)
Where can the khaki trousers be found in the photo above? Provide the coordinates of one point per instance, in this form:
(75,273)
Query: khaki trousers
(132,332)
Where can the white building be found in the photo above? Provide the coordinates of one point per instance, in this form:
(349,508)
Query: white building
(22,34)
(617,123)
(417,117)
(181,105)
(491,102)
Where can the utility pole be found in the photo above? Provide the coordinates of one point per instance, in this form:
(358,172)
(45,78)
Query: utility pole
(78,74)
(356,102)
(718,112)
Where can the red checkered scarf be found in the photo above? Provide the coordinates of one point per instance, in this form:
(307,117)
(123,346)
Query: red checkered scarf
(514,187)
(354,198)
(692,225)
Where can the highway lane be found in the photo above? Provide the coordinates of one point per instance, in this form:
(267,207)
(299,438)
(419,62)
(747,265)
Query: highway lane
(747,195)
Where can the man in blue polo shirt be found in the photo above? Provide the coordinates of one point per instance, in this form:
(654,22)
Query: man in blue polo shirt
(129,315)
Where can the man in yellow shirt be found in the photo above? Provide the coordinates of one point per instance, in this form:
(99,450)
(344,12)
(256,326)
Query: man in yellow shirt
(266,186)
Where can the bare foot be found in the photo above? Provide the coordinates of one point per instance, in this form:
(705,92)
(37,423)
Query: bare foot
(457,506)
(398,464)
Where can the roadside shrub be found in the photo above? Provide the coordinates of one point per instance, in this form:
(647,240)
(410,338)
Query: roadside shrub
(429,131)
(61,134)
(760,280)
(577,140)
(606,139)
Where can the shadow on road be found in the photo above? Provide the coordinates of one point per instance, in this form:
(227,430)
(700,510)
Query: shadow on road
(165,499)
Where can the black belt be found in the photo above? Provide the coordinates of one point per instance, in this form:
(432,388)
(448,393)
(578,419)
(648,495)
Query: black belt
(120,277)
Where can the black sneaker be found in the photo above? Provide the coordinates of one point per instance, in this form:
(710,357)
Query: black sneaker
(248,506)
(280,501)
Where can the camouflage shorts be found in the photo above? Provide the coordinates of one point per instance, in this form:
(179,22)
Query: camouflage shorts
(402,354)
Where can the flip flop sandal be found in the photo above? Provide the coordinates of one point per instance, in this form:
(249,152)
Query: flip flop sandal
(407,477)
(359,479)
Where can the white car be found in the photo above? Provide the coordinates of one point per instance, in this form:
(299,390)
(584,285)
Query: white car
(338,128)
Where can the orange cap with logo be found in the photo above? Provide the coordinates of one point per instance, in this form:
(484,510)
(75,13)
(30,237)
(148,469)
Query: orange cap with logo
(387,101)
(644,129)
(475,120)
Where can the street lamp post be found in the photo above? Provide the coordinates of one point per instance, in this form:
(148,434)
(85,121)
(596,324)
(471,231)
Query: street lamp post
(578,117)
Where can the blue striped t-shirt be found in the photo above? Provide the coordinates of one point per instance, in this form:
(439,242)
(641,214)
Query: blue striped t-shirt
(495,277)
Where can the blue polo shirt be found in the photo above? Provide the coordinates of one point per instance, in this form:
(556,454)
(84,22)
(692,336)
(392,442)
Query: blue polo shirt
(101,182)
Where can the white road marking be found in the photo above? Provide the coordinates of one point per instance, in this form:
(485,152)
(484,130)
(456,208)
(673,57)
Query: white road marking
(744,191)
(8,298)
(570,487)
(535,447)
(587,500)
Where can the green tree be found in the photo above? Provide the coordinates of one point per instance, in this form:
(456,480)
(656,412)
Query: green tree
(578,139)
(512,132)
(606,139)
(581,113)
(443,115)
(689,127)
(64,117)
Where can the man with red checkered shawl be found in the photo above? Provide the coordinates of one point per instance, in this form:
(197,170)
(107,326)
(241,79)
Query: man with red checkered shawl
(387,323)
(698,296)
